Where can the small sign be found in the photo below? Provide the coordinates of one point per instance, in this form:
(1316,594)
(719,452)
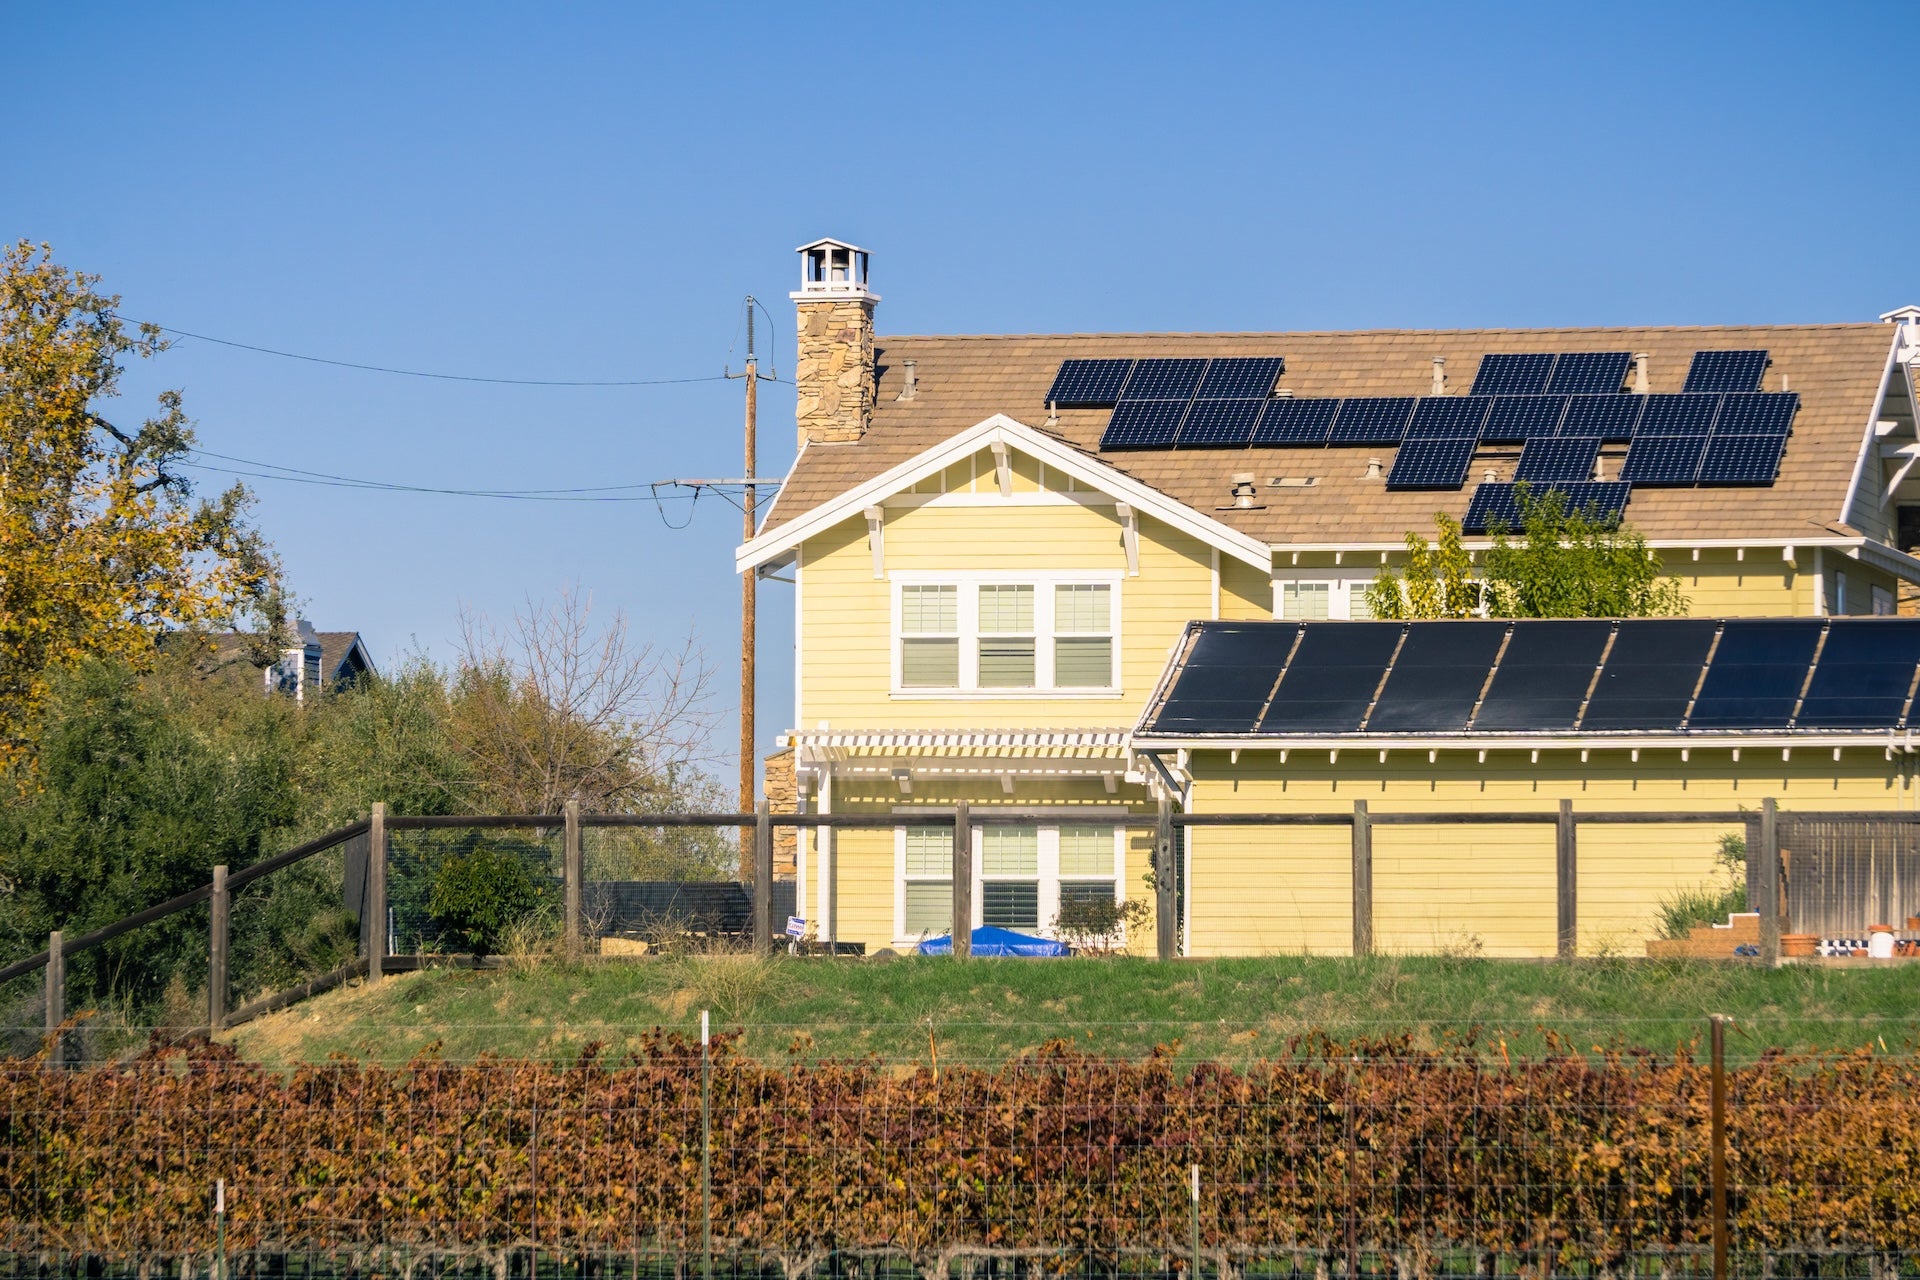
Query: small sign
(796,927)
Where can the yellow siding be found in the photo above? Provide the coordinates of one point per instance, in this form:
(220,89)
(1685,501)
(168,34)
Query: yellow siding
(1282,890)
(1762,585)
(1245,592)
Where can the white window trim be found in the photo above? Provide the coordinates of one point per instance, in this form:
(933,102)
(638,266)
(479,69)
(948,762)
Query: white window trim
(1047,867)
(968,583)
(1342,589)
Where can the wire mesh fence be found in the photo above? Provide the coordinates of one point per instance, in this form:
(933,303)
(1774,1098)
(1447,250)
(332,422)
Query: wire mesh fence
(1331,1159)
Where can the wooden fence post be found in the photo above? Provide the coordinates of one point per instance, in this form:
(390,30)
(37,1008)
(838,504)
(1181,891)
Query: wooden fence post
(1766,892)
(375,923)
(217,990)
(572,867)
(1362,880)
(56,999)
(763,877)
(962,931)
(1566,871)
(1166,888)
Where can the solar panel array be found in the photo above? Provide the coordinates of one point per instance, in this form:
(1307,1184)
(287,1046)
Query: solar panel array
(1560,407)
(1643,675)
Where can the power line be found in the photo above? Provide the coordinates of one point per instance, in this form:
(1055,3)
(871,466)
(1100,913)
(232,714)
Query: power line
(416,373)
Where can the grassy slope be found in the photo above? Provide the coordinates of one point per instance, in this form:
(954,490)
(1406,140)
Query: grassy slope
(987,1010)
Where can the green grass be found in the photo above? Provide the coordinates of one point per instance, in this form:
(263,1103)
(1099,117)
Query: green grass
(988,1010)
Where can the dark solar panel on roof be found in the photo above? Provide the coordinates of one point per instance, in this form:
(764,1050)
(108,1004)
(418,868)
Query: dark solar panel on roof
(1663,460)
(1515,419)
(1437,677)
(1577,372)
(1543,676)
(1513,373)
(1088,384)
(1611,418)
(1226,678)
(1219,423)
(1431,464)
(1332,678)
(1562,458)
(1757,413)
(1677,415)
(1295,421)
(1448,417)
(1649,676)
(1371,420)
(1746,460)
(1754,678)
(1241,378)
(1726,371)
(1164,379)
(1144,424)
(1494,505)
(1598,500)
(1865,671)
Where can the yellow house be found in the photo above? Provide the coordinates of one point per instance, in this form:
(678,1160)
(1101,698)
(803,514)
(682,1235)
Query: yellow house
(995,559)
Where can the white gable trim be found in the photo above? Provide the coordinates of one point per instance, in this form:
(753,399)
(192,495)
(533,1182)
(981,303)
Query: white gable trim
(1008,434)
(1869,446)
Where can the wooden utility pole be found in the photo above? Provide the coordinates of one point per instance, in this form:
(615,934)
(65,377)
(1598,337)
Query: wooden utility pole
(748,584)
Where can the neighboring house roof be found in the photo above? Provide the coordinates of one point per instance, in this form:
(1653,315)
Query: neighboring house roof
(343,655)
(960,381)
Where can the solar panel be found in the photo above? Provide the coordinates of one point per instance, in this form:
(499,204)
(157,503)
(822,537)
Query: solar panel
(1513,374)
(1663,460)
(1332,677)
(1431,464)
(1603,501)
(1371,420)
(1649,676)
(1726,371)
(1515,419)
(1494,505)
(1612,418)
(1226,678)
(1437,677)
(1753,460)
(1088,384)
(1757,413)
(1563,458)
(1677,415)
(1448,417)
(1543,676)
(1597,372)
(1864,673)
(1219,423)
(1754,679)
(1164,379)
(1241,378)
(1144,424)
(1295,421)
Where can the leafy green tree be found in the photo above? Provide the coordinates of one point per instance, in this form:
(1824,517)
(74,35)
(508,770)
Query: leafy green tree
(1438,582)
(481,893)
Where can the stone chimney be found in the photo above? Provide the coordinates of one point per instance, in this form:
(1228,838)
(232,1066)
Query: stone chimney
(833,372)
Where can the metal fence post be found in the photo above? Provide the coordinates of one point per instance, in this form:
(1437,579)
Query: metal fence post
(962,931)
(706,1151)
(56,999)
(374,920)
(1767,891)
(1362,880)
(217,990)
(1166,897)
(572,867)
(1566,871)
(763,877)
(1718,1032)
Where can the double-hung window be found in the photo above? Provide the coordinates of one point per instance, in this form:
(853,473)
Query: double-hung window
(1010,877)
(1024,873)
(1007,634)
(928,893)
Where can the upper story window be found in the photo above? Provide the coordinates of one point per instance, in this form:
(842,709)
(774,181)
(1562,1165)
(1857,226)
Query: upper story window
(1308,599)
(1007,634)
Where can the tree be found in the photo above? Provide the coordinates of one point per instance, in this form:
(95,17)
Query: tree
(1567,564)
(102,545)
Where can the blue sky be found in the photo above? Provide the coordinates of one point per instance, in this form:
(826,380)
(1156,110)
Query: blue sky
(586,192)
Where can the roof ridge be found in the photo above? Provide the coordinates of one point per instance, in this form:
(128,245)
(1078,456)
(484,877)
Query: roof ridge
(1364,333)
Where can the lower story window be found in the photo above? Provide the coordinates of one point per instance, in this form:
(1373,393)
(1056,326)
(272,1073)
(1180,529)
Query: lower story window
(929,881)
(1010,877)
(1025,874)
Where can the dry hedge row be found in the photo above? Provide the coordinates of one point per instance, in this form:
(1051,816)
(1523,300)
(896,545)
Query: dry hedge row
(1580,1158)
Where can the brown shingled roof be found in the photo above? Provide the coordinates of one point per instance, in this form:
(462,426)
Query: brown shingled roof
(962,380)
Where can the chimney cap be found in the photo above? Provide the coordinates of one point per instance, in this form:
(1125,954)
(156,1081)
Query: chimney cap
(832,268)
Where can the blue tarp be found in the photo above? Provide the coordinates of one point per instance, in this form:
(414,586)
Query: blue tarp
(998,942)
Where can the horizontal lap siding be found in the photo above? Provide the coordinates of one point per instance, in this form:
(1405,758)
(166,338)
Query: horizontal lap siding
(1246,593)
(1478,890)
(1761,585)
(1277,889)
(1626,872)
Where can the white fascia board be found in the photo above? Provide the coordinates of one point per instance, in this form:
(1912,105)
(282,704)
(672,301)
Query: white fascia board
(1901,741)
(1868,454)
(1017,435)
(1891,559)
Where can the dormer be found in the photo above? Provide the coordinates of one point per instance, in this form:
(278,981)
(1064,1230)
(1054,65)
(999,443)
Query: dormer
(832,269)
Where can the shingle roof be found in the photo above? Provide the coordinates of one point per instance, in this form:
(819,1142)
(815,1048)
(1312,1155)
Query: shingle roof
(962,380)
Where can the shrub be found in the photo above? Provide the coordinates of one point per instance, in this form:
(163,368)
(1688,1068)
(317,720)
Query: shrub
(1713,901)
(1098,925)
(480,894)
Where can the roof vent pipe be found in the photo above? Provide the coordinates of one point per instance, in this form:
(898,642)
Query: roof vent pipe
(1490,475)
(912,382)
(1244,490)
(1373,468)
(1439,375)
(1640,384)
